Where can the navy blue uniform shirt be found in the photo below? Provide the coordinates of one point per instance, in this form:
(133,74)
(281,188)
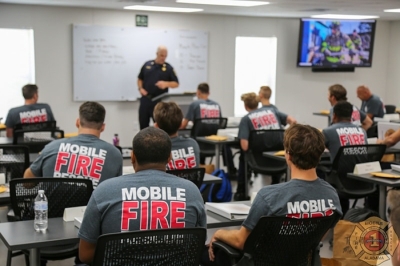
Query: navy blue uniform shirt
(152,72)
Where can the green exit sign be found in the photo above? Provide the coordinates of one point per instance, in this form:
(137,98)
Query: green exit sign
(142,21)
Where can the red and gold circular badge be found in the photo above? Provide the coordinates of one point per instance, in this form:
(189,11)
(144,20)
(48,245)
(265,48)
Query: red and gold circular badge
(374,240)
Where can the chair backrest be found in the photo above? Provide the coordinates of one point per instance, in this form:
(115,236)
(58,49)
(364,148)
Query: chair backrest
(207,126)
(14,160)
(390,109)
(372,132)
(36,139)
(348,156)
(152,247)
(286,241)
(261,141)
(266,140)
(37,126)
(61,193)
(196,175)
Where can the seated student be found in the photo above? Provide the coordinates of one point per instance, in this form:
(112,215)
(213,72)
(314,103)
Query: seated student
(266,117)
(84,156)
(185,151)
(203,107)
(30,112)
(343,132)
(172,202)
(391,139)
(393,201)
(304,146)
(338,93)
(395,220)
(371,104)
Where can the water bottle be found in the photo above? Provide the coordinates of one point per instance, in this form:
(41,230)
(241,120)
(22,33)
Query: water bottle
(41,207)
(116,140)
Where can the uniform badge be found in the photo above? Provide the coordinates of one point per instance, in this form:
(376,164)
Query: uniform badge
(148,67)
(164,67)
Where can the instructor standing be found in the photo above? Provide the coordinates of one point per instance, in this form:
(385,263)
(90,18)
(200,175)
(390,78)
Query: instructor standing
(155,77)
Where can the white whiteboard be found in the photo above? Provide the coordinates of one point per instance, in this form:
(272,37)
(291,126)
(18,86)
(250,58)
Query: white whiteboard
(107,60)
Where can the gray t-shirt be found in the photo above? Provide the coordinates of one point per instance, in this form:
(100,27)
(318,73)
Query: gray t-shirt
(294,199)
(343,134)
(185,153)
(146,200)
(373,105)
(32,113)
(266,117)
(84,156)
(203,109)
(357,117)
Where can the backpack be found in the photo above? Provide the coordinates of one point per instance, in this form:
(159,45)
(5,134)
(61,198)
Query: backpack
(221,192)
(356,215)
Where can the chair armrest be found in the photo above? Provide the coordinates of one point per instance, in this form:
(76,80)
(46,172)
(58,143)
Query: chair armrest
(230,251)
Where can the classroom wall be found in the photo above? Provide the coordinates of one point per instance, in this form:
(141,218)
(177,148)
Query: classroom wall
(393,81)
(299,92)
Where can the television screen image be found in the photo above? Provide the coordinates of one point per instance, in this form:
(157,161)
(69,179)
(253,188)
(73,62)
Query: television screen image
(328,43)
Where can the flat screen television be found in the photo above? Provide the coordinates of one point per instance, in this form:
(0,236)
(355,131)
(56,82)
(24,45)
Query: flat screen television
(327,43)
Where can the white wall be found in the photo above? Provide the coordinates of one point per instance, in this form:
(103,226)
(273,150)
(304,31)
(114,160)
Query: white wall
(393,81)
(300,92)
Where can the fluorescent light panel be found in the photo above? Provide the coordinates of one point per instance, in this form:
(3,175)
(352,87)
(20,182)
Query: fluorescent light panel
(163,9)
(224,2)
(339,16)
(393,10)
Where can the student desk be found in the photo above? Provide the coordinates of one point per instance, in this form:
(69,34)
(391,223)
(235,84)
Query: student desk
(271,154)
(324,113)
(208,179)
(6,141)
(21,235)
(383,183)
(218,144)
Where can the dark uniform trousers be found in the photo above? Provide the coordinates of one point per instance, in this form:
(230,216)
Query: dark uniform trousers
(146,111)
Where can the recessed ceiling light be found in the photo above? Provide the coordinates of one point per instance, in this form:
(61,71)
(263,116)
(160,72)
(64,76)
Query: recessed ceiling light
(224,2)
(163,9)
(392,10)
(338,16)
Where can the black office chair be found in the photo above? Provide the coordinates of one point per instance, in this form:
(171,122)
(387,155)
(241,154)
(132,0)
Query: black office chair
(277,241)
(344,163)
(61,193)
(36,139)
(151,247)
(205,127)
(14,160)
(196,175)
(259,142)
(390,109)
(37,126)
(372,132)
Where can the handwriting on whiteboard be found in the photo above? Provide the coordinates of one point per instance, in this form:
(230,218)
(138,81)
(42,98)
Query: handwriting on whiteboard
(191,53)
(98,51)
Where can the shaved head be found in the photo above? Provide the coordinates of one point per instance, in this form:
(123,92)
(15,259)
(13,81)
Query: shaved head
(162,53)
(363,93)
(161,48)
